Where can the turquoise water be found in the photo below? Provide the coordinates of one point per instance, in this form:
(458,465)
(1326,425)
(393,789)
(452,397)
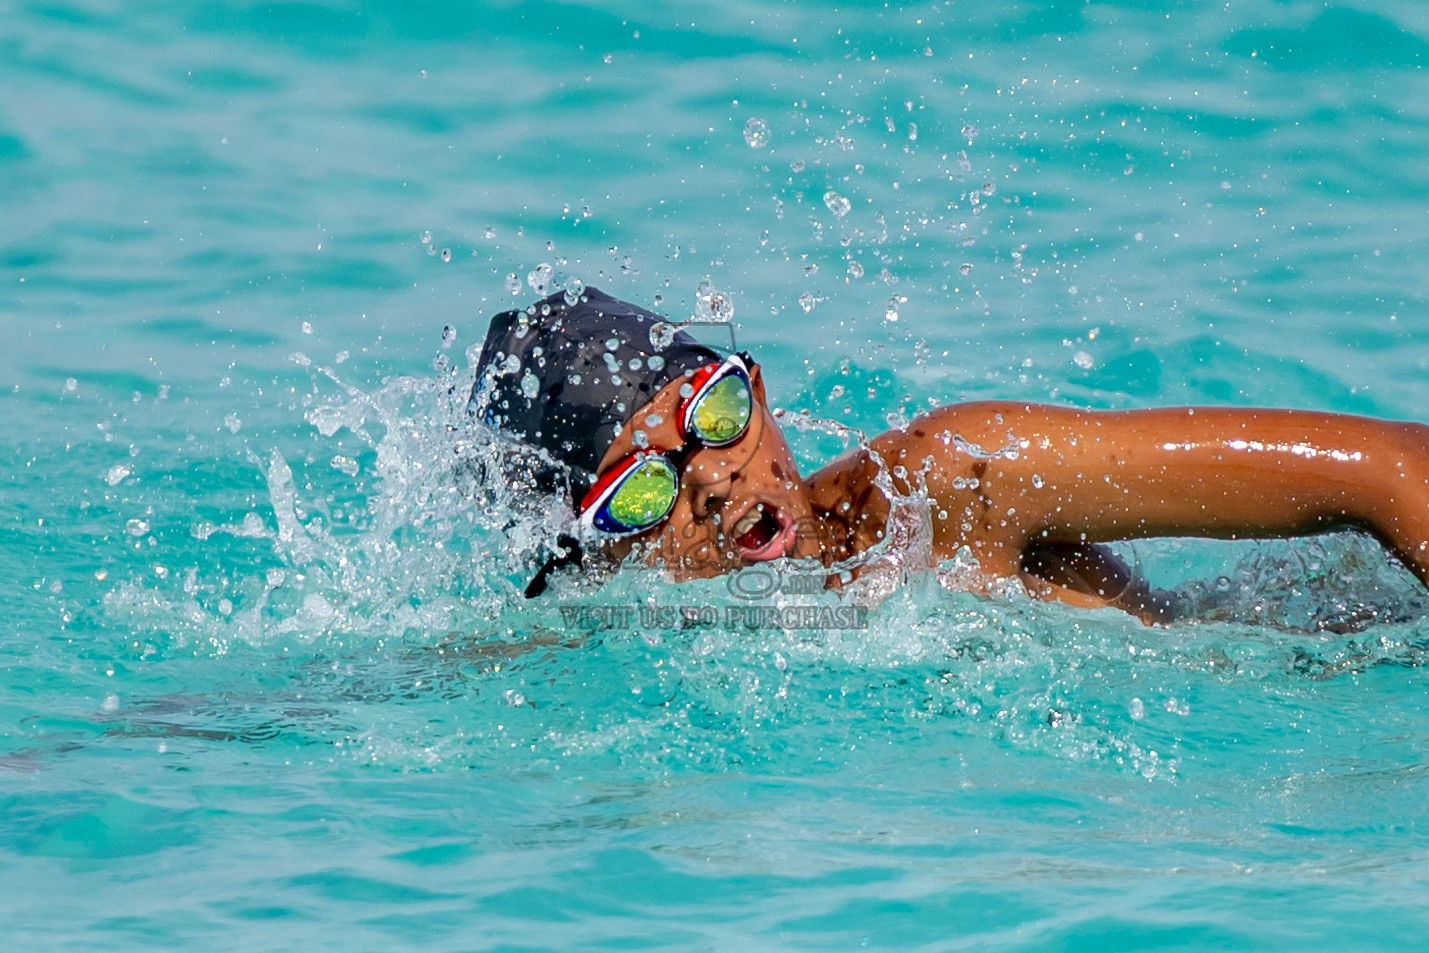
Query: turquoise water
(266,684)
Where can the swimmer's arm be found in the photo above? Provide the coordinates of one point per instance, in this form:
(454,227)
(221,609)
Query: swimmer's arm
(1005,478)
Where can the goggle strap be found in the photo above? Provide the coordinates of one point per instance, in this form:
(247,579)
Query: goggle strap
(570,554)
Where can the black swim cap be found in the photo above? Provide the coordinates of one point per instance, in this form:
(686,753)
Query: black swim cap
(565,375)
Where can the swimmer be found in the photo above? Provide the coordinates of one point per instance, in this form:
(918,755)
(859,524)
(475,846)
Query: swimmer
(668,445)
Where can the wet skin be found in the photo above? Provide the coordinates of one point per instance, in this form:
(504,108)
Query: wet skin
(1031,490)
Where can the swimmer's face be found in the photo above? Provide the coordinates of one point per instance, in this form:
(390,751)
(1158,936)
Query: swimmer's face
(738,504)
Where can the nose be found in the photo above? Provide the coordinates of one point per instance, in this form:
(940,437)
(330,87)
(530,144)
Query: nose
(709,495)
(710,472)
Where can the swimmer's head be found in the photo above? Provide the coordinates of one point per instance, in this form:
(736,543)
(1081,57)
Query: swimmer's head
(588,384)
(567,376)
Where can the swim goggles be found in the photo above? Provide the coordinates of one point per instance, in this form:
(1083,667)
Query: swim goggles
(639,492)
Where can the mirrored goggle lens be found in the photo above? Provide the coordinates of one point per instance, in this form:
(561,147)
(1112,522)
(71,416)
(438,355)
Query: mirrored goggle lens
(722,413)
(641,499)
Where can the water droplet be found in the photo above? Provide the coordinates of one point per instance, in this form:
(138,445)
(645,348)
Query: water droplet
(811,270)
(653,420)
(891,313)
(965,269)
(1037,481)
(640,439)
(426,237)
(656,362)
(969,132)
(756,133)
(837,203)
(912,132)
(71,384)
(662,335)
(687,390)
(806,301)
(446,254)
(1137,709)
(539,278)
(232,422)
(575,289)
(136,527)
(712,306)
(855,269)
(307,327)
(1083,360)
(513,283)
(797,165)
(530,386)
(116,474)
(489,233)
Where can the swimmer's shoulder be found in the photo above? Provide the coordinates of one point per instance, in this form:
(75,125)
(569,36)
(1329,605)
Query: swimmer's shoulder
(932,441)
(845,494)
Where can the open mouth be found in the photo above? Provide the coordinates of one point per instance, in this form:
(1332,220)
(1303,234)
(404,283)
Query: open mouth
(760,533)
